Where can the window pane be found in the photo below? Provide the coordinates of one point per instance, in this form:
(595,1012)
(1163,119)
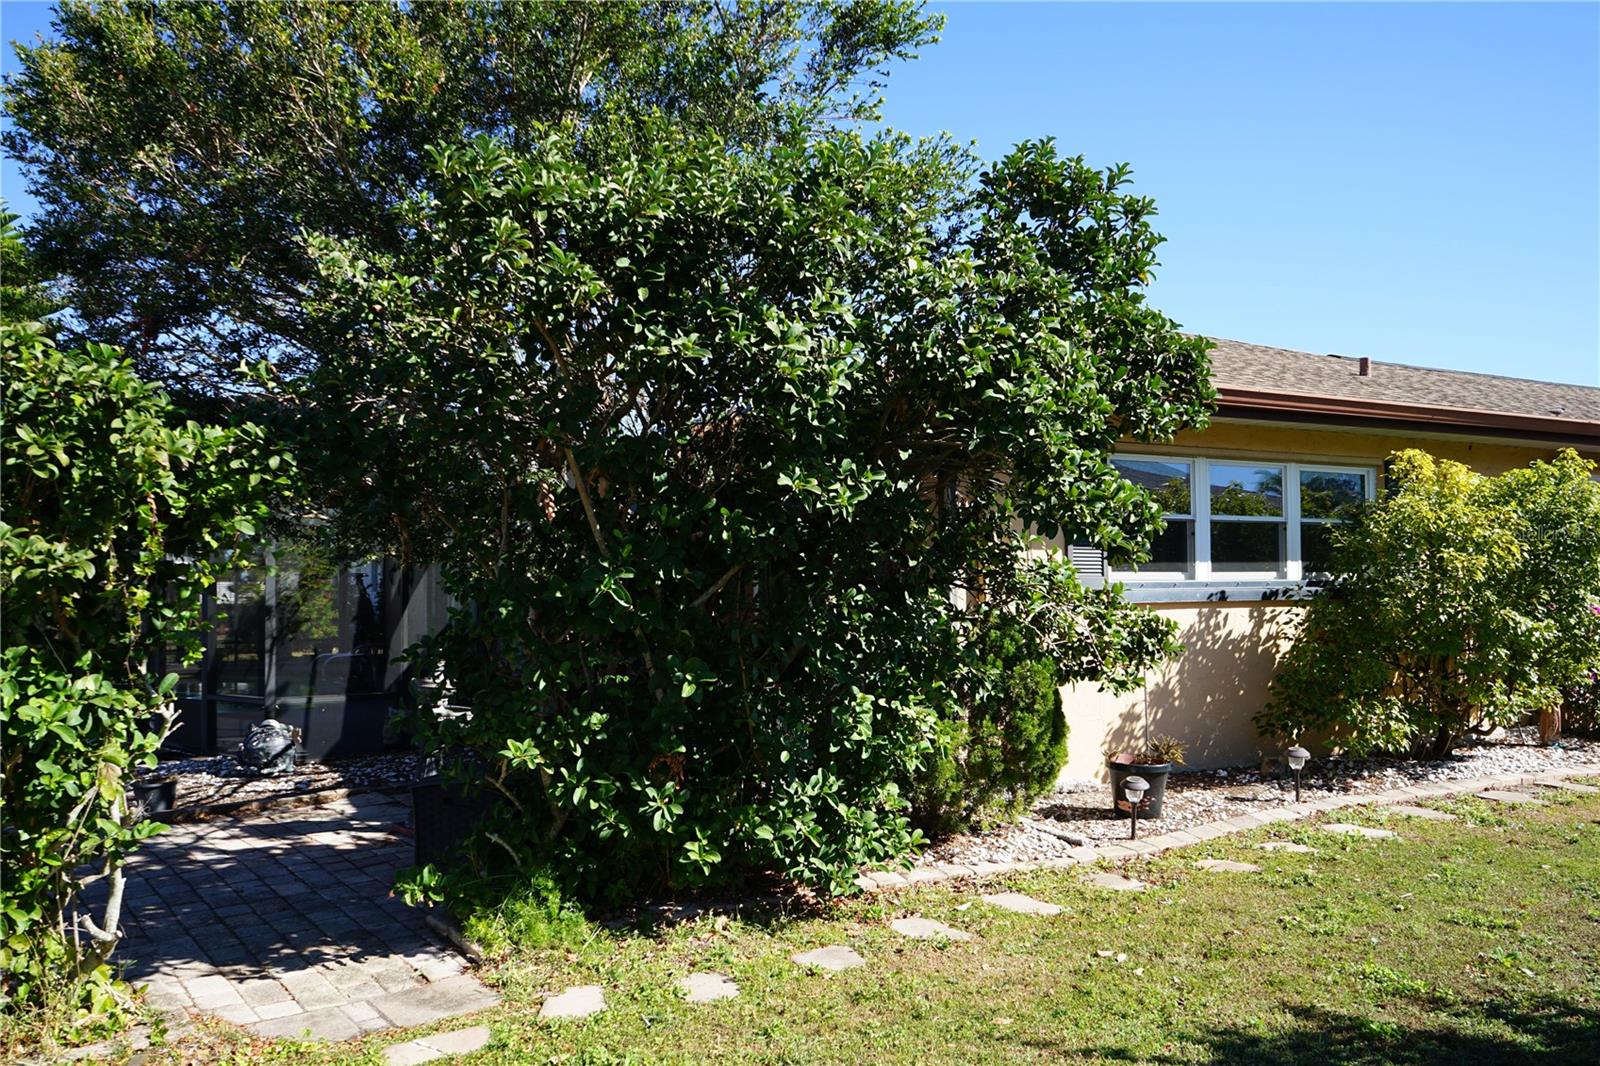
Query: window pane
(1167,482)
(237,665)
(1172,550)
(1327,494)
(1239,547)
(330,637)
(1239,489)
(1316,547)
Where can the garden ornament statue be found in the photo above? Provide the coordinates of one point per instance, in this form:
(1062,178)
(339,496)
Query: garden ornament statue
(269,747)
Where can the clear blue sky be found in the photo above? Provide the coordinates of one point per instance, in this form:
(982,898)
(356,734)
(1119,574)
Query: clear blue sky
(1414,182)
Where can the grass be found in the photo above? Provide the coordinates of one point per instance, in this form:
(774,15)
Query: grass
(1472,941)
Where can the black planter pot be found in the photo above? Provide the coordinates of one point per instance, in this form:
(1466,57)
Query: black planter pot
(1154,773)
(443,815)
(156,794)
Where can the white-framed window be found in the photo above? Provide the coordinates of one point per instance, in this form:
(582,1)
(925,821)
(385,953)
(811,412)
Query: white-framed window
(1242,520)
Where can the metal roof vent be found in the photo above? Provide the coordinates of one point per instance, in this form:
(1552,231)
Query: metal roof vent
(1365,366)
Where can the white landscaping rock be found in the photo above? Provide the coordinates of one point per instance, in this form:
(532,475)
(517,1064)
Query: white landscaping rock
(1287,845)
(1427,814)
(1017,903)
(1227,866)
(927,929)
(707,987)
(1115,882)
(832,959)
(577,1002)
(1346,829)
(1198,799)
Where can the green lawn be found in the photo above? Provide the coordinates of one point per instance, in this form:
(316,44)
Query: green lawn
(1476,942)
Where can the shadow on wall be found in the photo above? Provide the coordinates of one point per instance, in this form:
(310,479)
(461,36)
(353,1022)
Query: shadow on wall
(1207,695)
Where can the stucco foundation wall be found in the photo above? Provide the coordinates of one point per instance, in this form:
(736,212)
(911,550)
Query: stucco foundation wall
(1205,697)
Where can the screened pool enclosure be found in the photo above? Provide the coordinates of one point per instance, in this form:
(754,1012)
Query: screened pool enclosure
(313,641)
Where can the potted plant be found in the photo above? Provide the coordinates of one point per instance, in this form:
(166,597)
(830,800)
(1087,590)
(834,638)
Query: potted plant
(155,795)
(1153,762)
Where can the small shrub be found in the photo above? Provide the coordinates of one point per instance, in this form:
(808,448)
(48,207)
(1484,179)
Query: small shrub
(1008,746)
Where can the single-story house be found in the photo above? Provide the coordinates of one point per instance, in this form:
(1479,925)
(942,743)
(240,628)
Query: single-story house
(314,641)
(1294,436)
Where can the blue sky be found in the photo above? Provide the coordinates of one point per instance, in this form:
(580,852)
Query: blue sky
(1415,182)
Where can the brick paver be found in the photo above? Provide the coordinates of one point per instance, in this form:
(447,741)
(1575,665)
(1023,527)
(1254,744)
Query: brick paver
(282,922)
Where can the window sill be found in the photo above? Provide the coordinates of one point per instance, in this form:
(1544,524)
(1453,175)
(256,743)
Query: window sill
(1217,591)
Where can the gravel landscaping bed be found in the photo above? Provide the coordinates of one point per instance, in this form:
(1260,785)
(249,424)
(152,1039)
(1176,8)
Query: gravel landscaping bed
(222,779)
(1082,813)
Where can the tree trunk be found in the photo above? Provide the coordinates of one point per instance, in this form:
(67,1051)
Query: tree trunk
(1549,724)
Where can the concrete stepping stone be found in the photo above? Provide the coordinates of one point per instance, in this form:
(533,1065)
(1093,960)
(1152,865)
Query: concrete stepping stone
(1115,882)
(1500,795)
(1227,866)
(1568,786)
(1427,814)
(1346,829)
(579,1001)
(707,987)
(426,1004)
(1017,903)
(833,959)
(1287,845)
(437,1046)
(927,929)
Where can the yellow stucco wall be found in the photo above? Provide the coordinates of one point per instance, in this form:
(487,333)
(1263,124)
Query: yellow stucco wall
(1207,696)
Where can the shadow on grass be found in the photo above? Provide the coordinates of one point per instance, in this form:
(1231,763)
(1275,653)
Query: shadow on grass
(1542,1030)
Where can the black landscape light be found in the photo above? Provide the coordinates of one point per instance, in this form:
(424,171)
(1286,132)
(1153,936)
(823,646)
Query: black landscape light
(1297,760)
(1133,788)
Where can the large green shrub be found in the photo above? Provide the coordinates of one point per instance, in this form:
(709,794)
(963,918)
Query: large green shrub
(117,513)
(708,442)
(1458,602)
(1007,739)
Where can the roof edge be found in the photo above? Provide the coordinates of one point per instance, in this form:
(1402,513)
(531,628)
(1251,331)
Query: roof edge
(1496,422)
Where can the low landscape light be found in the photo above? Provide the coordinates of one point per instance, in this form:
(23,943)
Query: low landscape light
(1133,788)
(1297,757)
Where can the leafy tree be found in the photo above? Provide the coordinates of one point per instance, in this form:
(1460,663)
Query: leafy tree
(179,149)
(1458,602)
(117,514)
(23,297)
(727,452)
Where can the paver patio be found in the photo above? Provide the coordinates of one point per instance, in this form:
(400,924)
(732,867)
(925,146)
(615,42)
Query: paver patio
(283,922)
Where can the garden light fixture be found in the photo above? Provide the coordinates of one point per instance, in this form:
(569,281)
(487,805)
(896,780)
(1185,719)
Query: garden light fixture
(1134,787)
(1297,760)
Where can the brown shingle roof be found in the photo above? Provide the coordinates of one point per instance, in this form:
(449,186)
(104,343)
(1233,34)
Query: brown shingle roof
(1238,365)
